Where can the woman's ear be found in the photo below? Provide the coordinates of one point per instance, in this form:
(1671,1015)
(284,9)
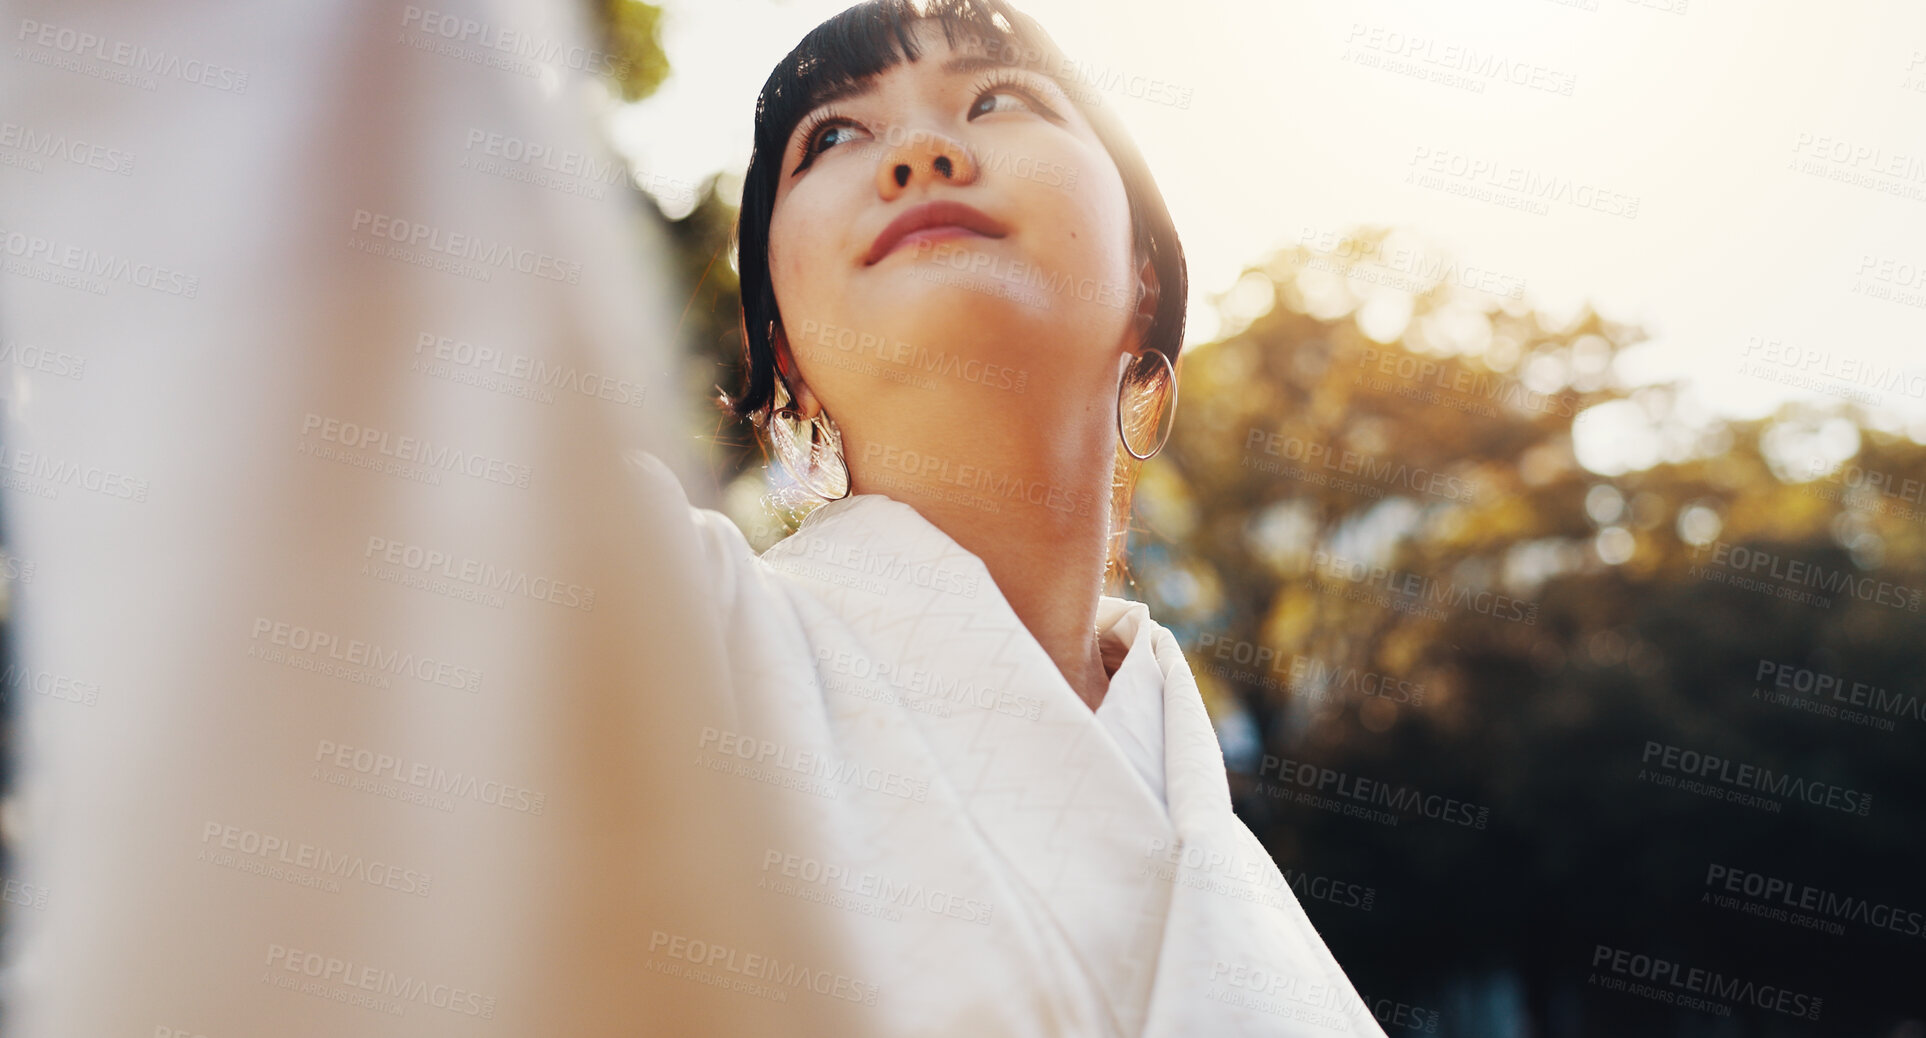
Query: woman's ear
(801,397)
(1149,292)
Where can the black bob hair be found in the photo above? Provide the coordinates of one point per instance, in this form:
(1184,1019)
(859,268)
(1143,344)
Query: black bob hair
(862,42)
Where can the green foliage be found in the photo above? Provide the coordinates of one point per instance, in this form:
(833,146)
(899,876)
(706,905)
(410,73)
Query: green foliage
(711,324)
(631,34)
(1446,457)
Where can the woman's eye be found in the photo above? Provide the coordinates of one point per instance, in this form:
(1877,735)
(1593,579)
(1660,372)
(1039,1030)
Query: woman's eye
(830,136)
(823,136)
(1002,100)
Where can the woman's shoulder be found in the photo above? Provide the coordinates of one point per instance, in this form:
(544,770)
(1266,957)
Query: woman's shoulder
(706,537)
(721,537)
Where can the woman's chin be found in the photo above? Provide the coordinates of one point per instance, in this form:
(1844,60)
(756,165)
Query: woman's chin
(929,303)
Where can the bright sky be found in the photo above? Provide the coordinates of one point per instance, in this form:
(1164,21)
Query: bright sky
(1775,154)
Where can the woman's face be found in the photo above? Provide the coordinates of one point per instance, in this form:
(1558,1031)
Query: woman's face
(950,237)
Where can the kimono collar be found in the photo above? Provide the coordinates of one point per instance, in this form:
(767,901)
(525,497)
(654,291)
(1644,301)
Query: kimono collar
(1025,757)
(904,551)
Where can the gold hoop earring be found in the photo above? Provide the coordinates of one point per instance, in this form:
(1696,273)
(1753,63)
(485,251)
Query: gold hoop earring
(815,459)
(1171,406)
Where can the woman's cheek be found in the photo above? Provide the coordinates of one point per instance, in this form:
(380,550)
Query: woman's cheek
(806,237)
(1091,244)
(784,239)
(791,264)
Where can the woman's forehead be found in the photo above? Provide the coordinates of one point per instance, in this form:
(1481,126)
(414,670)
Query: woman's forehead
(937,54)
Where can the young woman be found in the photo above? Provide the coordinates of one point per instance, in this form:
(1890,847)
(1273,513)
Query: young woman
(963,298)
(443,712)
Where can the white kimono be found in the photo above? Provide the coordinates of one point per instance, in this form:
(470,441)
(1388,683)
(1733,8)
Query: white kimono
(377,677)
(904,709)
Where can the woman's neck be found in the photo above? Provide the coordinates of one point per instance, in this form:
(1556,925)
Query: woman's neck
(1033,504)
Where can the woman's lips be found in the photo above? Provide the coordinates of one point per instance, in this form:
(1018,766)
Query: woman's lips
(932,222)
(931,235)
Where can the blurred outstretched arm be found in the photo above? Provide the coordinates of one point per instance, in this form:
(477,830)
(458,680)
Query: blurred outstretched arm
(332,425)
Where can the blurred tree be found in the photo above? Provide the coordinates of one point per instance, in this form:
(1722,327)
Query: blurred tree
(712,320)
(702,239)
(630,32)
(1555,622)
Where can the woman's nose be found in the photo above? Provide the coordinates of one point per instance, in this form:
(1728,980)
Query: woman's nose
(922,159)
